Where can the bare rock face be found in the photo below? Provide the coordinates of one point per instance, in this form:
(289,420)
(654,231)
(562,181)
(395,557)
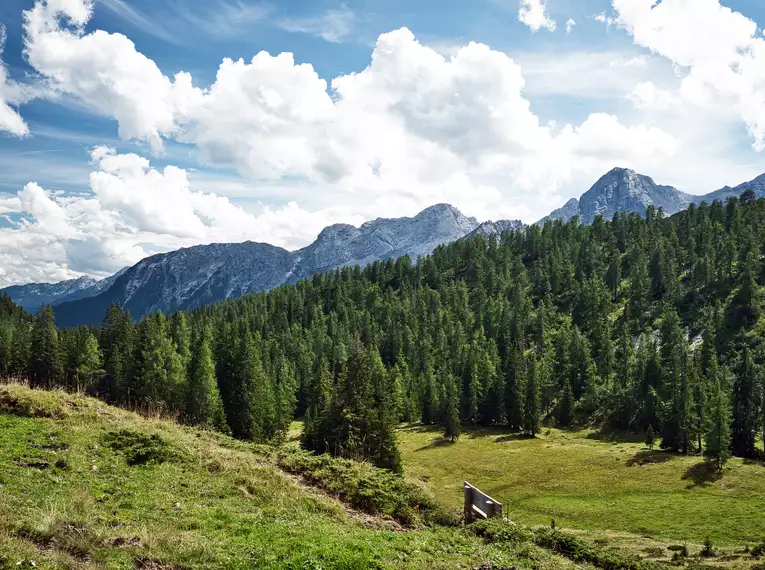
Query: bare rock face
(622,190)
(200,275)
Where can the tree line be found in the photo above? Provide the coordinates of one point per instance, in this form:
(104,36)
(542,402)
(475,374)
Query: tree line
(649,324)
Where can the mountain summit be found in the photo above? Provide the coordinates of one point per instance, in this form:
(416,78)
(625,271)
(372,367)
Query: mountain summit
(622,190)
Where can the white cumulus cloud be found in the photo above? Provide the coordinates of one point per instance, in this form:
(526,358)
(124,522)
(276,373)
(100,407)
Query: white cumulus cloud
(131,205)
(719,51)
(533,13)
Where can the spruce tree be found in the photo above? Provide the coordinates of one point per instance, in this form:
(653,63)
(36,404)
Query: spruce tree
(203,402)
(717,437)
(531,413)
(650,438)
(744,428)
(319,402)
(513,393)
(45,360)
(452,426)
(383,448)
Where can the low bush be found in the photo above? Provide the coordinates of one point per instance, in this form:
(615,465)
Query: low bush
(139,448)
(564,544)
(367,488)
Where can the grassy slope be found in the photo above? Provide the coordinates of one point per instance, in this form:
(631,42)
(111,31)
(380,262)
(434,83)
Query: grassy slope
(585,483)
(69,500)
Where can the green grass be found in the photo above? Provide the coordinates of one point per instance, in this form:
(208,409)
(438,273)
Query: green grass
(594,485)
(84,485)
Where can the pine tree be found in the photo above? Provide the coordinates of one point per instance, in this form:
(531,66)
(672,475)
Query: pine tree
(452,409)
(717,437)
(513,394)
(383,448)
(319,403)
(566,411)
(203,402)
(45,363)
(744,428)
(650,438)
(348,419)
(86,362)
(531,414)
(159,375)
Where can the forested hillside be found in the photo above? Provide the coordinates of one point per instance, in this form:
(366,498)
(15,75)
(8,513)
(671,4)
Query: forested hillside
(646,324)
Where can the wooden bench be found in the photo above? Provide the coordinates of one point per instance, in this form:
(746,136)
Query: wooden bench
(479,505)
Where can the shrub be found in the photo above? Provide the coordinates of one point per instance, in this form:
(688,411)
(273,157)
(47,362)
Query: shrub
(367,488)
(140,449)
(708,551)
(758,550)
(499,531)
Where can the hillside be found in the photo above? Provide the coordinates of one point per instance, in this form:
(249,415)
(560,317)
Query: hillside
(85,485)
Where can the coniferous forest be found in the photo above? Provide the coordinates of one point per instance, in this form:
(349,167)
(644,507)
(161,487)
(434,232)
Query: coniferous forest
(643,324)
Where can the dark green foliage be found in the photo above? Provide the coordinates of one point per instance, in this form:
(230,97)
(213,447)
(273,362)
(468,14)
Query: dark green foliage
(452,410)
(44,363)
(531,413)
(203,402)
(718,433)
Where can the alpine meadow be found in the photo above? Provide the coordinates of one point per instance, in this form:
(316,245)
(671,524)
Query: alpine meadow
(354,285)
(650,327)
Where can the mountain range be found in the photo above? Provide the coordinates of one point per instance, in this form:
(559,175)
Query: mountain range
(199,275)
(195,276)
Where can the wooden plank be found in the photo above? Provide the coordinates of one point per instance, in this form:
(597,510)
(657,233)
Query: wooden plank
(479,505)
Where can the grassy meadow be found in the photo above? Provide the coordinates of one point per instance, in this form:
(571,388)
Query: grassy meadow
(588,482)
(85,485)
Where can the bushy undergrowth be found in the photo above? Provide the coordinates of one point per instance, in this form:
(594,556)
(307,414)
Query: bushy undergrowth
(367,488)
(139,448)
(565,544)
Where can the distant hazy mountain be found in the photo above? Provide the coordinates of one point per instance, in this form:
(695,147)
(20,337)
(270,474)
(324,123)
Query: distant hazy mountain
(195,276)
(34,295)
(624,190)
(757,186)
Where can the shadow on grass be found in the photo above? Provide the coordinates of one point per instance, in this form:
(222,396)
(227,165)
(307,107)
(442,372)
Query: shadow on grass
(648,457)
(702,474)
(612,436)
(514,437)
(435,444)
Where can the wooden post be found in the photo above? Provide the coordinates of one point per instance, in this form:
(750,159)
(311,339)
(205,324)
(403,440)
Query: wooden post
(468,502)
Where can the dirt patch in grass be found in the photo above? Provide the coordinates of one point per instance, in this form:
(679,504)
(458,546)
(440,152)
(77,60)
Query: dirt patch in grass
(149,564)
(73,538)
(123,542)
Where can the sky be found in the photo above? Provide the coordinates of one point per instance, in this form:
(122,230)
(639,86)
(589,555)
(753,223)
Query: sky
(133,127)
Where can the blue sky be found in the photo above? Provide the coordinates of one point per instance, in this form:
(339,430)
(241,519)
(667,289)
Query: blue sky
(508,129)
